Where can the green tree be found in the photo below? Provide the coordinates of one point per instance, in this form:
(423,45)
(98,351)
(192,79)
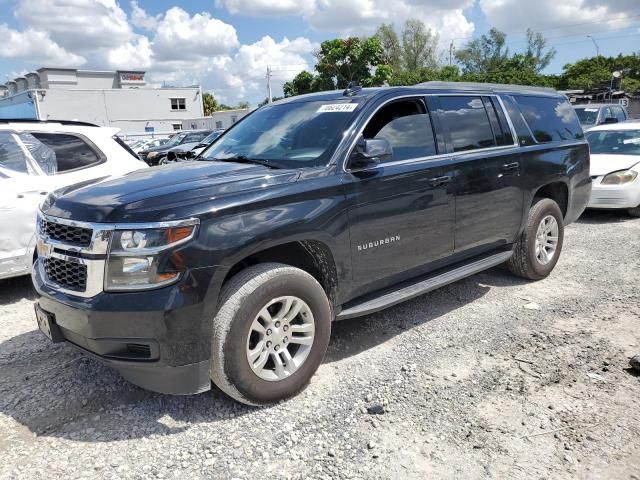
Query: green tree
(419,46)
(596,72)
(209,103)
(484,54)
(302,83)
(391,49)
(537,51)
(243,105)
(341,61)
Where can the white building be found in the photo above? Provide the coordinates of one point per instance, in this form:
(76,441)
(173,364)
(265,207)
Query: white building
(221,119)
(109,98)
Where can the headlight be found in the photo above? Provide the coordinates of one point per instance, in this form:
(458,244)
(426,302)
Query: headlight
(619,178)
(141,259)
(152,154)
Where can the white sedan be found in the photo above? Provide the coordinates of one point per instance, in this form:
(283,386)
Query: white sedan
(615,166)
(38,157)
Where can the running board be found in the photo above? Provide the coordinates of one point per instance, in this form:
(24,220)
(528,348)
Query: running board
(408,292)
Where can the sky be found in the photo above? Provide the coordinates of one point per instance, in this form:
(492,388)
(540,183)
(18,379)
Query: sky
(226,45)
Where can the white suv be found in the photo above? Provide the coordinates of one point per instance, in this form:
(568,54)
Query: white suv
(38,157)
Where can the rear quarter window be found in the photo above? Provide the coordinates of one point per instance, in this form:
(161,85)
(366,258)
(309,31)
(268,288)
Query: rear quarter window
(550,119)
(71,151)
(467,122)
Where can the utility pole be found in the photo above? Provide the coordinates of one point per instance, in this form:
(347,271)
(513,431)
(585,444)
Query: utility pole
(596,45)
(451,53)
(269,97)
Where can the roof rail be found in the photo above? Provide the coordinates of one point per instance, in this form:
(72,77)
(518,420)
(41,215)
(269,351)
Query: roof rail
(34,120)
(352,89)
(489,87)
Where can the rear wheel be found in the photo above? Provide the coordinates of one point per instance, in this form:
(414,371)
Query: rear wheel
(538,248)
(270,334)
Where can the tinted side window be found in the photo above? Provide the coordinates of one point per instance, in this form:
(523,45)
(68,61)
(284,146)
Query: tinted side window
(71,152)
(194,137)
(550,119)
(467,122)
(11,155)
(407,126)
(619,113)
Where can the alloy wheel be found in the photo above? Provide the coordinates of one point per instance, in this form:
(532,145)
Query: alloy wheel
(280,338)
(547,239)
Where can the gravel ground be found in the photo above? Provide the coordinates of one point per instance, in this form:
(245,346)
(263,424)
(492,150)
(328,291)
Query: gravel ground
(490,377)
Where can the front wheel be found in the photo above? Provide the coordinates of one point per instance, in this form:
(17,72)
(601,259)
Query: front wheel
(270,334)
(538,248)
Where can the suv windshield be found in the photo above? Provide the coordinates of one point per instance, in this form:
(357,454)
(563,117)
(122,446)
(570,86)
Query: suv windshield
(175,140)
(290,135)
(615,142)
(587,115)
(212,136)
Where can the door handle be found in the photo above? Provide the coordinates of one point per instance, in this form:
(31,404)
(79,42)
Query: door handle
(511,167)
(439,181)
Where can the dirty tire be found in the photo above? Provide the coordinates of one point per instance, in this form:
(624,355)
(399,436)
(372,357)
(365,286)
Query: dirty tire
(241,299)
(524,263)
(634,212)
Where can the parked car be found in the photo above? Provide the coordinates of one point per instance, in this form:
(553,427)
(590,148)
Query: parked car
(39,157)
(188,139)
(593,114)
(148,143)
(189,151)
(615,166)
(321,207)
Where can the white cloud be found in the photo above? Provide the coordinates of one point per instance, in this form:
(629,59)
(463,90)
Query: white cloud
(36,47)
(180,36)
(267,7)
(560,17)
(141,19)
(358,17)
(287,57)
(361,17)
(240,76)
(77,25)
(131,55)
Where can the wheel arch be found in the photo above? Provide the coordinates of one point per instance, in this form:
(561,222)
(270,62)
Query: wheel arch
(313,256)
(557,191)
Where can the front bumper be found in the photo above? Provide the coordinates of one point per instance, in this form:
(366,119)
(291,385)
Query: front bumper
(157,339)
(614,196)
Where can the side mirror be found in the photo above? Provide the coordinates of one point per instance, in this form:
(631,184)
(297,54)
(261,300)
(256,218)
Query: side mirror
(610,120)
(370,152)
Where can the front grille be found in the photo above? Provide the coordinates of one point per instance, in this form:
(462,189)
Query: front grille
(66,233)
(70,275)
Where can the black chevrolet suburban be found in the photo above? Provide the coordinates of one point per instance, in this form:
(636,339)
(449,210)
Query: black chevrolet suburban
(321,207)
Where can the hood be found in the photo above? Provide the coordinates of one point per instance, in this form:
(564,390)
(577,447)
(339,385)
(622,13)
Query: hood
(601,163)
(158,194)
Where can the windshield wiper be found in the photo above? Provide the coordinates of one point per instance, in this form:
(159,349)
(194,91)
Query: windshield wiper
(245,159)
